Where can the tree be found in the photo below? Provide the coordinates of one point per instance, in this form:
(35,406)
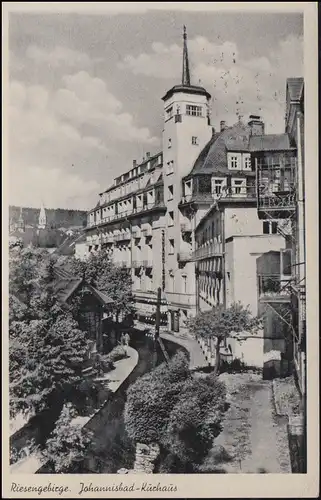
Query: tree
(151,399)
(68,442)
(220,323)
(46,346)
(180,413)
(99,271)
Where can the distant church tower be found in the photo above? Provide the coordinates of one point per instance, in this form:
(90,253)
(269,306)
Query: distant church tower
(42,223)
(20,223)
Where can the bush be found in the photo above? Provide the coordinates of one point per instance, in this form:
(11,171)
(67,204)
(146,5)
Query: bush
(116,354)
(151,398)
(181,413)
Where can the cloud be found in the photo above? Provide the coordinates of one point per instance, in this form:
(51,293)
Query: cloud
(238,85)
(87,100)
(54,185)
(60,140)
(57,56)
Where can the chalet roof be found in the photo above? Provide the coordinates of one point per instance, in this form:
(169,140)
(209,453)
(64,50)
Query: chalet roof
(295,88)
(66,284)
(213,157)
(270,142)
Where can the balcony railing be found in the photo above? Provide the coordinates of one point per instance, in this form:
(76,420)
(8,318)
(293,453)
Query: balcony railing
(122,236)
(273,286)
(184,256)
(148,263)
(211,250)
(137,264)
(144,208)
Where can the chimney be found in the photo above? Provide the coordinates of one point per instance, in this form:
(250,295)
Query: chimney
(148,155)
(222,125)
(134,163)
(256,125)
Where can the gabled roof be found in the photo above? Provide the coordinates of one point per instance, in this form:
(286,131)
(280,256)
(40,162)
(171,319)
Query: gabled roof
(66,285)
(270,142)
(294,88)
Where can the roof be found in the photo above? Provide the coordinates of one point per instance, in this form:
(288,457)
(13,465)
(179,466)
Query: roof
(295,88)
(66,284)
(213,157)
(187,89)
(270,142)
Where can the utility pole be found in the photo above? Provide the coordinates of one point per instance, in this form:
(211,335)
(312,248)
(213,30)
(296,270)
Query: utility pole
(158,312)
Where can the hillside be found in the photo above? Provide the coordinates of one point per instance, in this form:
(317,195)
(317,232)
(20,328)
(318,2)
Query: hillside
(56,217)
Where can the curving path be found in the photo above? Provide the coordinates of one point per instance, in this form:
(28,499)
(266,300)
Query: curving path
(197,358)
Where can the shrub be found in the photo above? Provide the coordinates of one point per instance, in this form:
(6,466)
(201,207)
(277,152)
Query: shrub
(116,354)
(151,398)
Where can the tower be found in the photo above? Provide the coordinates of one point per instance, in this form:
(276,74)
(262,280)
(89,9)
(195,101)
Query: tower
(20,223)
(42,222)
(186,132)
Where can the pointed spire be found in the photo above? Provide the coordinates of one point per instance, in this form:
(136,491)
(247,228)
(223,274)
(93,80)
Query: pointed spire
(186,80)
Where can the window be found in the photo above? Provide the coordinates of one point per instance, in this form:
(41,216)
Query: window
(193,110)
(171,247)
(234,162)
(169,113)
(238,187)
(170,167)
(270,227)
(194,140)
(184,280)
(170,218)
(218,186)
(170,192)
(247,163)
(169,143)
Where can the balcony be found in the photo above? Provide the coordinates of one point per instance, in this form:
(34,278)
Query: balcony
(136,233)
(137,264)
(126,236)
(147,232)
(272,287)
(197,198)
(184,256)
(148,264)
(276,186)
(206,251)
(186,227)
(181,299)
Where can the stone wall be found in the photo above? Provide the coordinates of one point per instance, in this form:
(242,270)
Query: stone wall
(145,458)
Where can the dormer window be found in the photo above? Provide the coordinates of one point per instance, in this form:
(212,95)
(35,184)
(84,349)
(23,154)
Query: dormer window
(247,162)
(234,162)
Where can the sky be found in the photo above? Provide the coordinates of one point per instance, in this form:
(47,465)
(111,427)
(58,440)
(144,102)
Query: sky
(85,90)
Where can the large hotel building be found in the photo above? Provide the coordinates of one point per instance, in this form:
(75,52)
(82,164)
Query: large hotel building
(201,219)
